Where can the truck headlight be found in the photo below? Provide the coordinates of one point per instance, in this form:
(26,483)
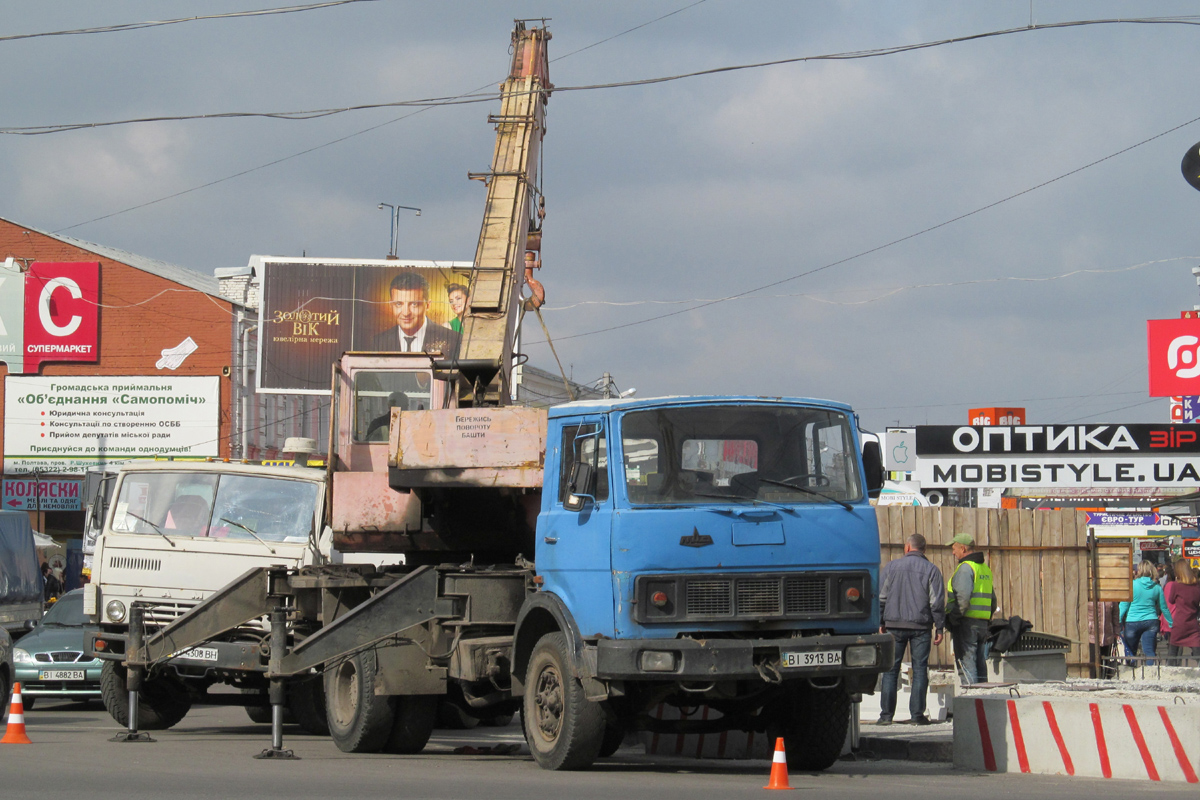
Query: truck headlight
(21,656)
(861,655)
(114,610)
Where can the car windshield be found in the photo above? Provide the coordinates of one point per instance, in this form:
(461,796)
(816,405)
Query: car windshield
(215,505)
(67,612)
(739,455)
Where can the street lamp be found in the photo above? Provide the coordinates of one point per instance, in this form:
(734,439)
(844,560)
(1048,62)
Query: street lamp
(394,213)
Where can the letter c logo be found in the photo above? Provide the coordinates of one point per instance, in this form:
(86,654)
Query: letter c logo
(72,326)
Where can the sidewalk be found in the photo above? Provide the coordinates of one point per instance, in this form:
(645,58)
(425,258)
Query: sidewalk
(932,743)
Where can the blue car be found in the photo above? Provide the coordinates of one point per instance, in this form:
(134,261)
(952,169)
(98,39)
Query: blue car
(50,662)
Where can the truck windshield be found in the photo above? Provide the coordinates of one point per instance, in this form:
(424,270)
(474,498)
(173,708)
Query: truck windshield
(215,505)
(739,454)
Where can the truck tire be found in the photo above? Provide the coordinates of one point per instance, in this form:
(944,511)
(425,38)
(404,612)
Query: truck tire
(359,720)
(162,703)
(564,730)
(306,699)
(817,728)
(613,736)
(413,725)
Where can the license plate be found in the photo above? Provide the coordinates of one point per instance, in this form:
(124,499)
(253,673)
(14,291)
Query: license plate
(813,658)
(198,654)
(61,675)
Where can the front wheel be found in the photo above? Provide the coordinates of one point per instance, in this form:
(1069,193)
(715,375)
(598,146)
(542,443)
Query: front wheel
(564,729)
(360,721)
(818,725)
(162,701)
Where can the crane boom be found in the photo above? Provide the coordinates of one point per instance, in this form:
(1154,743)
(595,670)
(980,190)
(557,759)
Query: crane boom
(511,226)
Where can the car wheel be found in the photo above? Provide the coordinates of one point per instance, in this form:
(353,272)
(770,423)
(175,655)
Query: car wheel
(6,688)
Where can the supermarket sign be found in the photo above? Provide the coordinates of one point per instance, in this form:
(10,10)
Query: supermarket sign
(48,312)
(27,494)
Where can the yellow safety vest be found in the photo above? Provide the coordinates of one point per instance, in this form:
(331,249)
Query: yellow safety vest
(982,594)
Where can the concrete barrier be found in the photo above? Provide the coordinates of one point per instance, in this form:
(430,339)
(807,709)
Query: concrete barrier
(1121,738)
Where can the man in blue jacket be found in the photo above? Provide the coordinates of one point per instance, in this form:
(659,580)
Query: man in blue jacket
(911,607)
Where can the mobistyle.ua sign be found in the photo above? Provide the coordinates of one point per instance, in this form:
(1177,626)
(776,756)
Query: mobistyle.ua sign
(1058,455)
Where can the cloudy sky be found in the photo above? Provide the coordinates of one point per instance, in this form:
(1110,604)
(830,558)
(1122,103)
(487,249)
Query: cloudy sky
(663,197)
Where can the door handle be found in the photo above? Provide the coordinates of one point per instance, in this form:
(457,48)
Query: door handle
(550,539)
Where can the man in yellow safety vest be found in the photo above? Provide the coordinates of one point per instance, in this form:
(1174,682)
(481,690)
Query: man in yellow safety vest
(970,603)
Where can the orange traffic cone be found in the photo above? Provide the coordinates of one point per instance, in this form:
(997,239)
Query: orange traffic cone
(779,778)
(16,720)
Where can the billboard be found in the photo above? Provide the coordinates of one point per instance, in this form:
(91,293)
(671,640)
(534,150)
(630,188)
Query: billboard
(49,312)
(1058,455)
(996,416)
(1173,357)
(313,310)
(65,424)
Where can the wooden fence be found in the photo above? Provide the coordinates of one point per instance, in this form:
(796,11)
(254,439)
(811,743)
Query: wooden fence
(1039,561)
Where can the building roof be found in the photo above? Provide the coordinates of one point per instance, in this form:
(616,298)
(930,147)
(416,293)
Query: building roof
(171,272)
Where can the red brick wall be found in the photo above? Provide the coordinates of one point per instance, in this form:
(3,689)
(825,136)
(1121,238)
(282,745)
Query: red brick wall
(141,315)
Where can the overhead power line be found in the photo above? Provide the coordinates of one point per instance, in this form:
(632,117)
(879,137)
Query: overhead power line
(472,97)
(885,292)
(314,148)
(878,248)
(133,26)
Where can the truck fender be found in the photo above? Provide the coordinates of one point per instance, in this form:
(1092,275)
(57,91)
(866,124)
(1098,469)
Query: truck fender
(542,613)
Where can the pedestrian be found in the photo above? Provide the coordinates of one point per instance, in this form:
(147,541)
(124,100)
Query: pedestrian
(51,585)
(1139,617)
(912,607)
(970,603)
(1183,598)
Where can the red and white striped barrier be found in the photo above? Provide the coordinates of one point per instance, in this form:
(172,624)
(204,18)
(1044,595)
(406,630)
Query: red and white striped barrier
(1097,738)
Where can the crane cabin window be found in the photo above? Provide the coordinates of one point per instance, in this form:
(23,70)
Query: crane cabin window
(377,392)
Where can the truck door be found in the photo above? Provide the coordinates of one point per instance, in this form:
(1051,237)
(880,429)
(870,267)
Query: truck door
(573,555)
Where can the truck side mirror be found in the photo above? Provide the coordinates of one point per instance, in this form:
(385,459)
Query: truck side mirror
(581,487)
(873,467)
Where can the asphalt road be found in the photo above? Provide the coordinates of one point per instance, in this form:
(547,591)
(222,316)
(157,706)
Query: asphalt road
(209,755)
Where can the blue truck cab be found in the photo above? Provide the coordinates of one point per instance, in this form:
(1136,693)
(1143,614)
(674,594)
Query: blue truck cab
(702,550)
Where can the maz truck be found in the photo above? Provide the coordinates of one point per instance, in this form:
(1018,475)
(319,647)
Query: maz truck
(583,565)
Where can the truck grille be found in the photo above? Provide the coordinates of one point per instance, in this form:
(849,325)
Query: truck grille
(751,596)
(708,598)
(166,613)
(133,562)
(805,596)
(757,597)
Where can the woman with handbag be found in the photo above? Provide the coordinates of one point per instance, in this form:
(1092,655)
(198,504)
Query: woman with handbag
(1140,616)
(1183,598)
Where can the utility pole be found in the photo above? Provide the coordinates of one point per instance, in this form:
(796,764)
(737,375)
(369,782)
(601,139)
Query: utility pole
(606,388)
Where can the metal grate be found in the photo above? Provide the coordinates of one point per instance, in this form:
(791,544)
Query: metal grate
(131,562)
(709,598)
(165,613)
(758,597)
(806,596)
